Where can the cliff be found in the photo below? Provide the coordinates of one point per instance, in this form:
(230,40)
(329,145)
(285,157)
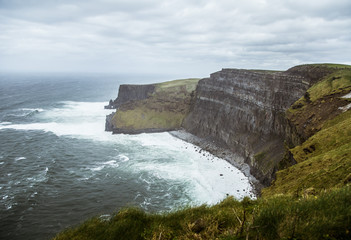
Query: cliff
(129,92)
(151,108)
(255,114)
(244,110)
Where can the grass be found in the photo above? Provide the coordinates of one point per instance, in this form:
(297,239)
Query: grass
(331,65)
(326,216)
(332,84)
(190,84)
(324,159)
(143,118)
(265,71)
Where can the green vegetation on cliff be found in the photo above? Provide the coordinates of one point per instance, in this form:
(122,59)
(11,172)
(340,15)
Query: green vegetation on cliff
(165,108)
(324,158)
(327,216)
(323,161)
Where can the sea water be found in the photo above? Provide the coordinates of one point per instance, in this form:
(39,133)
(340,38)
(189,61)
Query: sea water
(59,167)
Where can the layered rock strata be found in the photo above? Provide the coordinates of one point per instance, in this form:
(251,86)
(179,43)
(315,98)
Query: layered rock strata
(244,110)
(129,92)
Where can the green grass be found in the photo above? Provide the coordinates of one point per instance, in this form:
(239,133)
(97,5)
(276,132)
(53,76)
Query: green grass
(333,83)
(143,118)
(326,216)
(331,65)
(324,159)
(265,71)
(190,84)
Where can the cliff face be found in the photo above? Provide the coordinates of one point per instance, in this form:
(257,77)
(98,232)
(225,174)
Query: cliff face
(244,110)
(128,92)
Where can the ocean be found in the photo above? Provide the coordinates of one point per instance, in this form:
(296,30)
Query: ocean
(59,167)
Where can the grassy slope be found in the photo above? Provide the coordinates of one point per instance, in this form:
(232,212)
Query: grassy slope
(327,216)
(166,108)
(324,159)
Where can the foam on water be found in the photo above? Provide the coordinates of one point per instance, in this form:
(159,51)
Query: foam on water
(123,158)
(20,158)
(75,119)
(32,109)
(208,178)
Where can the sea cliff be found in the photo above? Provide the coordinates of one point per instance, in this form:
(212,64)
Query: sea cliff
(243,111)
(151,108)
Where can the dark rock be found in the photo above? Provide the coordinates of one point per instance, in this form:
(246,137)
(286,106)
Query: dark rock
(108,124)
(245,111)
(129,92)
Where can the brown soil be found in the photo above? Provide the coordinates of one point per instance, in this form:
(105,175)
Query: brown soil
(310,117)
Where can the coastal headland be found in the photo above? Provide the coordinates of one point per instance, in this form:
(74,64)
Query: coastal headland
(292,131)
(252,118)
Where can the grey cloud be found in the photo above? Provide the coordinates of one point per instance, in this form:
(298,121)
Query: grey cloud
(154,35)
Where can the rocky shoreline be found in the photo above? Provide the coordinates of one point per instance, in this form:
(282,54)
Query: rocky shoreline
(222,152)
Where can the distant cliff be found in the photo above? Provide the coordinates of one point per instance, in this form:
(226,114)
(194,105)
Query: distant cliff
(152,107)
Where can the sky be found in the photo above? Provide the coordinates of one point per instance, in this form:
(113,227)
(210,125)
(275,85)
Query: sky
(188,38)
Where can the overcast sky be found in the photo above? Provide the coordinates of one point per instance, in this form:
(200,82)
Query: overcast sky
(175,37)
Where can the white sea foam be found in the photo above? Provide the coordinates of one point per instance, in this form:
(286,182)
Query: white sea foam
(107,164)
(112,163)
(32,109)
(40,177)
(23,112)
(208,178)
(75,119)
(98,168)
(20,158)
(123,158)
